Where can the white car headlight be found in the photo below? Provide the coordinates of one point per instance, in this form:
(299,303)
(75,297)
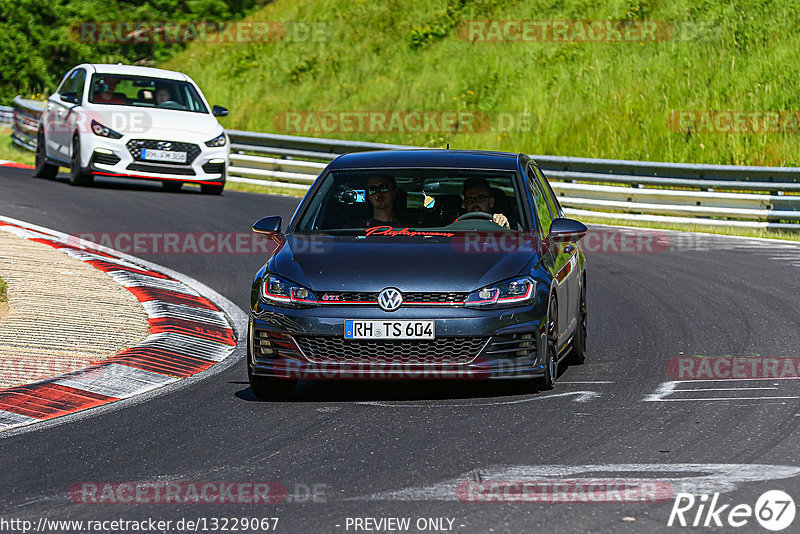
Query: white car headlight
(220,140)
(104,131)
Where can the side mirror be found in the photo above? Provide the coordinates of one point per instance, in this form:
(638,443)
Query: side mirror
(219,111)
(70,98)
(565,230)
(268,226)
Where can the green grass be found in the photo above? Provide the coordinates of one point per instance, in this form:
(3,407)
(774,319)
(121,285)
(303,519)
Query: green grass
(745,232)
(11,152)
(253,188)
(609,100)
(3,291)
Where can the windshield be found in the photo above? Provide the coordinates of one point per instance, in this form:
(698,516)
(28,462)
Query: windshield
(457,200)
(142,91)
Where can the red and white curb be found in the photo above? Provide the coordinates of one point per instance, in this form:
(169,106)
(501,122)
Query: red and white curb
(6,163)
(189,334)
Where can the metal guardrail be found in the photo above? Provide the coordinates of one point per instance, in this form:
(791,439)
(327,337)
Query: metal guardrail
(6,116)
(727,195)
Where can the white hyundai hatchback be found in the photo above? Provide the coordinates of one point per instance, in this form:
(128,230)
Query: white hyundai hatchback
(132,122)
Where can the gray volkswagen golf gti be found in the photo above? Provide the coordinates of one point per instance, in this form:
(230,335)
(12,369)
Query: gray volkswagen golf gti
(416,264)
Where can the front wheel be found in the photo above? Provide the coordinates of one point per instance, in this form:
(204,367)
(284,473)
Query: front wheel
(267,388)
(43,169)
(76,174)
(551,357)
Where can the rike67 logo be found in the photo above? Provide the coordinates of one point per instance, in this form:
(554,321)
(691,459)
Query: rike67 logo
(774,510)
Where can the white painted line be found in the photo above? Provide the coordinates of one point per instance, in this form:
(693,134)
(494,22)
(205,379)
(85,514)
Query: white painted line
(718,389)
(189,345)
(687,478)
(156,308)
(724,399)
(582,396)
(10,420)
(585,381)
(115,380)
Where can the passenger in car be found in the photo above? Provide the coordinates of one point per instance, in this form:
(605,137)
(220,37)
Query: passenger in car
(478,198)
(104,92)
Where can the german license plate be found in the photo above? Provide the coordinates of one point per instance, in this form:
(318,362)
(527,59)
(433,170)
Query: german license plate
(354,329)
(151,154)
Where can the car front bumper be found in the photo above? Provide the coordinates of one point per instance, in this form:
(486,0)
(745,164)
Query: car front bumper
(469,344)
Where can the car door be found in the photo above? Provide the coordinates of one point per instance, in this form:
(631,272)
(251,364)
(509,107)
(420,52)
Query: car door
(556,260)
(56,128)
(570,250)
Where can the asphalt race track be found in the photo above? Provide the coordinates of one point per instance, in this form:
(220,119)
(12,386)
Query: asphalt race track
(382,450)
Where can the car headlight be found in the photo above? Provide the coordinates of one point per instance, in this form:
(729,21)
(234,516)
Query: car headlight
(280,292)
(104,131)
(217,141)
(514,292)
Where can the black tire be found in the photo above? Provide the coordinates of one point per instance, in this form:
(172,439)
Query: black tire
(267,388)
(212,189)
(551,358)
(43,169)
(76,175)
(577,355)
(171,185)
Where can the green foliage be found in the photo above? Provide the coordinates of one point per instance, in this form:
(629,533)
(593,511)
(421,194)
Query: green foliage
(37,47)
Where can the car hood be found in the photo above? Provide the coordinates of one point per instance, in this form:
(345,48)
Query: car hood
(148,123)
(409,264)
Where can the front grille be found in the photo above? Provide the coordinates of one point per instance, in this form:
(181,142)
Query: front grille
(270,345)
(161,169)
(511,346)
(352,297)
(135,147)
(214,168)
(442,351)
(105,159)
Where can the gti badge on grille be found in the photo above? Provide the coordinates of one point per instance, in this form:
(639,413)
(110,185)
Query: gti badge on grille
(390,299)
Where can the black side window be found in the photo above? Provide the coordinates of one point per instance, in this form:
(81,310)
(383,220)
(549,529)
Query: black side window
(552,200)
(543,215)
(68,84)
(79,82)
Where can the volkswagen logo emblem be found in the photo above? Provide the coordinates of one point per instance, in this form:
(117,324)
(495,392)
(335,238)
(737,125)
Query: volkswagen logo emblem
(390,299)
(164,145)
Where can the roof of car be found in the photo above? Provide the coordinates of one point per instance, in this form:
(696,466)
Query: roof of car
(106,68)
(413,158)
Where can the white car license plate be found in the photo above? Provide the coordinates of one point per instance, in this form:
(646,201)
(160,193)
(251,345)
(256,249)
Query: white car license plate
(389,329)
(151,154)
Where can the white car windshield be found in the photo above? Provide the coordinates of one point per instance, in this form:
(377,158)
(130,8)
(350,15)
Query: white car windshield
(143,91)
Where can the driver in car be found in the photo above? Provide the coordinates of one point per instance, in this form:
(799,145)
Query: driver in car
(478,198)
(162,95)
(381,193)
